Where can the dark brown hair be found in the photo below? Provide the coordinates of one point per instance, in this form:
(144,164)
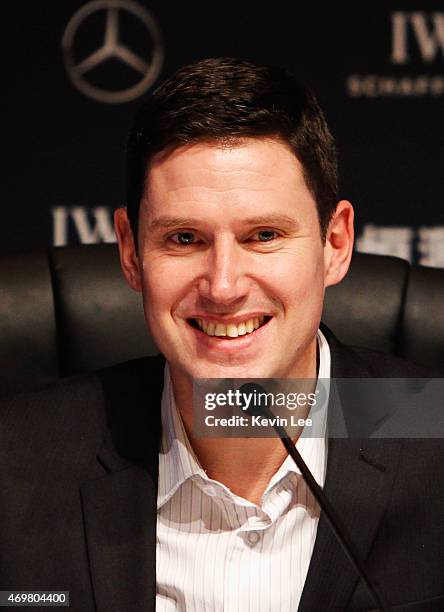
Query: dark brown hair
(225,99)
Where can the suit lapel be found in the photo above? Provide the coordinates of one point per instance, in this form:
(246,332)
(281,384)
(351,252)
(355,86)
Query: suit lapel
(359,480)
(120,508)
(358,484)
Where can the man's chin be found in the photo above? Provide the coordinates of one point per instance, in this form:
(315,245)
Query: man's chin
(248,370)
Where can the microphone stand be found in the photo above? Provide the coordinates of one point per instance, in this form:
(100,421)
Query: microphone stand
(330,514)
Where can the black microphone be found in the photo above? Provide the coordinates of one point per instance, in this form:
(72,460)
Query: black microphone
(333,519)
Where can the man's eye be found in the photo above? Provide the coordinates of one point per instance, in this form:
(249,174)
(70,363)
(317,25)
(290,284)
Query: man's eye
(264,235)
(183,238)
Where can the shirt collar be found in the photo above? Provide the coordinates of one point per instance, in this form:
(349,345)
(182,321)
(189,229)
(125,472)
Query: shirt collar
(312,444)
(178,462)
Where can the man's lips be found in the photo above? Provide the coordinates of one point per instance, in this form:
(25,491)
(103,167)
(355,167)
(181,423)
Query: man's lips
(229,329)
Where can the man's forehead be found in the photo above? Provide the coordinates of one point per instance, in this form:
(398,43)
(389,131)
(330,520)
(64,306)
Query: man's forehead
(217,164)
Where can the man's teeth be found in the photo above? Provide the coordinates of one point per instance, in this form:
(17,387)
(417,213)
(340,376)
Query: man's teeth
(231,330)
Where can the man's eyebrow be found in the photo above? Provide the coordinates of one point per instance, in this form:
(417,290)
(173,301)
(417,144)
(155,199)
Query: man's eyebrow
(167,222)
(272,219)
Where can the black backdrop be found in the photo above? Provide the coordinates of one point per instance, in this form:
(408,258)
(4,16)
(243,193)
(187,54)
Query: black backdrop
(377,67)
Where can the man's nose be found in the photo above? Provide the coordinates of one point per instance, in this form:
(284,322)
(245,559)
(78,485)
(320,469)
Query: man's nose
(223,281)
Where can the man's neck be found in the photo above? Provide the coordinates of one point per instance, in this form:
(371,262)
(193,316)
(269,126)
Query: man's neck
(244,465)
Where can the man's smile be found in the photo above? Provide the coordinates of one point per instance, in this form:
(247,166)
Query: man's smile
(229,329)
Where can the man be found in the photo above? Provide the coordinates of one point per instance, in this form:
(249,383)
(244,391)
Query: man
(232,232)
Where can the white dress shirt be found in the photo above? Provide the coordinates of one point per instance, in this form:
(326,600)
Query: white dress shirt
(217,551)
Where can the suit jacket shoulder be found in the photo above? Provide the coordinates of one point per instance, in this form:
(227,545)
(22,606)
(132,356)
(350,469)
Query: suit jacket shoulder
(76,413)
(72,478)
(357,361)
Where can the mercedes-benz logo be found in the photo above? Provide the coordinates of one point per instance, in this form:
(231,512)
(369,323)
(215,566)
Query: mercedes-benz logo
(112,48)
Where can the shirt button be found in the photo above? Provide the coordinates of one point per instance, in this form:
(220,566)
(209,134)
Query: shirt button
(253,537)
(211,491)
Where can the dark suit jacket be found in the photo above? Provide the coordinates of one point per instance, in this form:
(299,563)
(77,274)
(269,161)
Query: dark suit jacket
(78,489)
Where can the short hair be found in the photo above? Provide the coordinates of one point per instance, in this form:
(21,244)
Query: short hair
(226,99)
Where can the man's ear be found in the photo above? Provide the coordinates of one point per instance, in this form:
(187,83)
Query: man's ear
(338,244)
(127,248)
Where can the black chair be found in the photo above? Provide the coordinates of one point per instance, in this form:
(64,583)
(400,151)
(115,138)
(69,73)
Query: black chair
(68,310)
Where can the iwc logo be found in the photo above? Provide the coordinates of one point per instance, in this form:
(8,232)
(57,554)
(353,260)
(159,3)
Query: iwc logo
(418,39)
(112,50)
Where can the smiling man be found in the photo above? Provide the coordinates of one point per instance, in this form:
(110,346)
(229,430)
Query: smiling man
(232,232)
(233,253)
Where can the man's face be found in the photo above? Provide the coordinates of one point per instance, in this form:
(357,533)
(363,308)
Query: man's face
(231,261)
